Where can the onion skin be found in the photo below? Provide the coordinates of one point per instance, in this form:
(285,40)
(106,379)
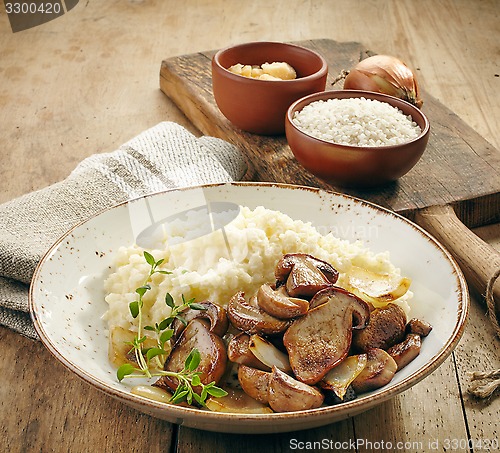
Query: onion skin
(387,75)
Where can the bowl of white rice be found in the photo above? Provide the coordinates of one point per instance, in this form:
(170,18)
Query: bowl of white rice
(356,138)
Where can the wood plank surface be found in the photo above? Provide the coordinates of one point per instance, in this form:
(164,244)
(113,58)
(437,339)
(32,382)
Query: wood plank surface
(446,173)
(88,81)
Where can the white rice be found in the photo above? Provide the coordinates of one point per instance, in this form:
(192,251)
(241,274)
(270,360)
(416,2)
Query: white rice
(213,266)
(356,122)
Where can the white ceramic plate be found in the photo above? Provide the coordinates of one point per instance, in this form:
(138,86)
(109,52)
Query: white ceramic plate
(67,297)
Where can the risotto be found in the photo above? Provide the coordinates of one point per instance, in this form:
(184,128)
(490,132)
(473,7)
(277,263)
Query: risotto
(239,257)
(356,122)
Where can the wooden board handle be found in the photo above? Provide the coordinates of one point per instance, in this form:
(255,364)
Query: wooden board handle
(477,259)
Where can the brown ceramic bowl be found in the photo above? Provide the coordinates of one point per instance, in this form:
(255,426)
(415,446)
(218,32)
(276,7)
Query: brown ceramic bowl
(259,106)
(356,166)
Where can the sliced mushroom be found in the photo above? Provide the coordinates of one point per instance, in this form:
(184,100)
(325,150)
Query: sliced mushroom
(339,378)
(214,313)
(212,351)
(385,329)
(249,318)
(255,383)
(237,401)
(269,354)
(304,275)
(321,339)
(403,353)
(305,280)
(419,327)
(238,351)
(286,394)
(379,371)
(278,303)
(288,261)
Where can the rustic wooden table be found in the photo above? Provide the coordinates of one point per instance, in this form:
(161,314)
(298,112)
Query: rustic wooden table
(88,81)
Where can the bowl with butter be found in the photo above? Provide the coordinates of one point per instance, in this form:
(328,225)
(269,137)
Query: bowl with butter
(255,83)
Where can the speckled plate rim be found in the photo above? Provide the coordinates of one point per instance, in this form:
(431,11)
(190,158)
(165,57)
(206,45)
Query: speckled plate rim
(276,422)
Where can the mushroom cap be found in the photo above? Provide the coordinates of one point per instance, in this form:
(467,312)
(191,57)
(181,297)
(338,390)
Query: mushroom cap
(278,303)
(386,328)
(212,351)
(249,318)
(289,260)
(321,339)
(286,394)
(213,313)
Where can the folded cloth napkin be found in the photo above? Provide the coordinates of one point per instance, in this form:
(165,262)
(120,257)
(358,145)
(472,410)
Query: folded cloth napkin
(163,157)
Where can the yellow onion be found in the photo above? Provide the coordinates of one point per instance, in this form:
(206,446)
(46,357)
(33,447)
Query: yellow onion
(385,74)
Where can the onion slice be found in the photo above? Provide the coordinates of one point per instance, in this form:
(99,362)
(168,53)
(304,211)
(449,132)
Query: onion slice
(377,288)
(152,393)
(340,377)
(269,354)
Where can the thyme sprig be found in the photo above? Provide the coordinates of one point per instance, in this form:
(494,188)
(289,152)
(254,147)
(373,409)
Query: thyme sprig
(188,378)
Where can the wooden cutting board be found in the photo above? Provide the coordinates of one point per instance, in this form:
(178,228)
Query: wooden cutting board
(459,171)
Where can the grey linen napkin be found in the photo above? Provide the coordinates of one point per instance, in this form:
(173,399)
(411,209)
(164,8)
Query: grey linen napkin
(163,157)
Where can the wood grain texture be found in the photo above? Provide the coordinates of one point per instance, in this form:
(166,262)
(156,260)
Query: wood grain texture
(478,351)
(478,260)
(88,81)
(53,411)
(195,441)
(446,173)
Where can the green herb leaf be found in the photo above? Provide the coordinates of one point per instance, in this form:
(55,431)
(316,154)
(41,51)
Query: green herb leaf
(216,391)
(124,370)
(196,380)
(134,309)
(142,290)
(204,394)
(169,300)
(166,335)
(149,258)
(181,319)
(198,307)
(164,272)
(154,352)
(180,387)
(192,360)
(198,399)
(179,397)
(159,262)
(165,323)
(187,302)
(149,328)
